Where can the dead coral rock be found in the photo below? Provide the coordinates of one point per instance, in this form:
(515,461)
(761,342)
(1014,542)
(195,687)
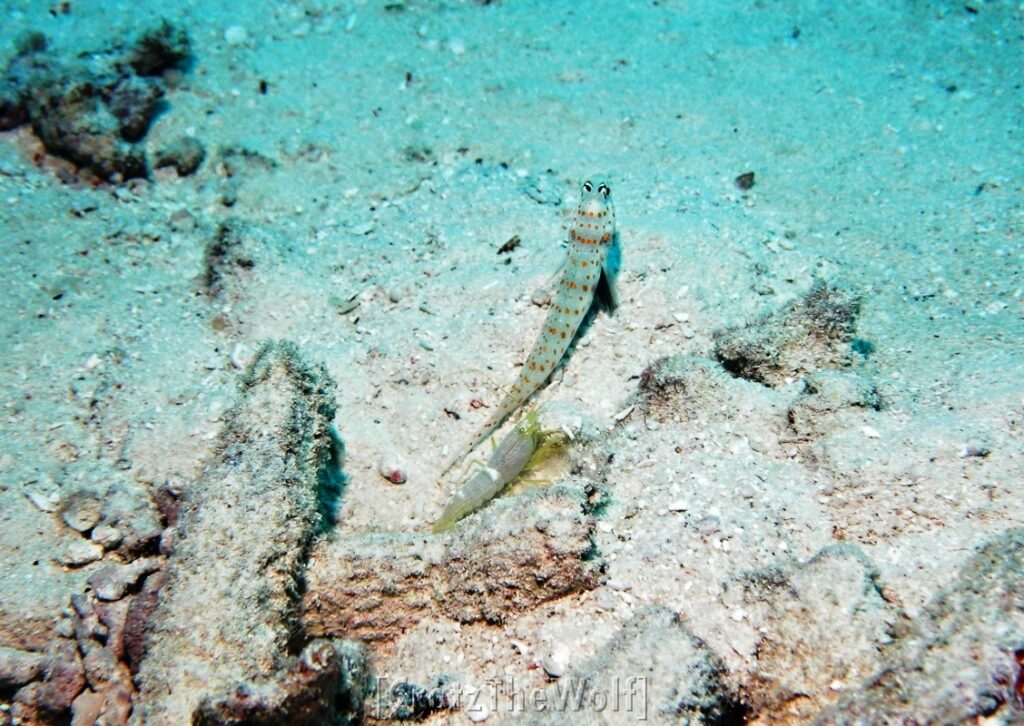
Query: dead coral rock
(513,558)
(129,509)
(228,611)
(682,386)
(18,667)
(373,587)
(961,660)
(514,555)
(49,699)
(87,708)
(823,624)
(653,668)
(825,394)
(809,334)
(92,111)
(113,616)
(78,552)
(113,581)
(136,623)
(107,676)
(326,681)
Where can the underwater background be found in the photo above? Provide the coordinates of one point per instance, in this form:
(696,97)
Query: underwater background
(267,266)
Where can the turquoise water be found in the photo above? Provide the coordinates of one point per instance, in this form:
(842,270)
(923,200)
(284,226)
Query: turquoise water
(786,444)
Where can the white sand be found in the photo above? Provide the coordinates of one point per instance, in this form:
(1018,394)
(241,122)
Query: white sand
(887,151)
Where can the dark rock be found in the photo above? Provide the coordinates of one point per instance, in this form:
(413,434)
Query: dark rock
(133,102)
(18,667)
(412,702)
(160,49)
(140,610)
(90,113)
(810,334)
(64,680)
(185,155)
(745,181)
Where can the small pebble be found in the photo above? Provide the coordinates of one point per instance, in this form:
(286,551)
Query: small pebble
(553,666)
(46,502)
(974,451)
(235,35)
(106,536)
(81,552)
(680,505)
(391,468)
(709,525)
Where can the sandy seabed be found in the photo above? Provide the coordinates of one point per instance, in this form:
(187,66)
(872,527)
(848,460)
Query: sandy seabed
(794,495)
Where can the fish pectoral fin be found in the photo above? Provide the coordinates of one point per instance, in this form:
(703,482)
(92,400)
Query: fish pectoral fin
(606,292)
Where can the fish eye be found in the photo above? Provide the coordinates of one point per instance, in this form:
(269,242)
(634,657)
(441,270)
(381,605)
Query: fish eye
(604,189)
(588,187)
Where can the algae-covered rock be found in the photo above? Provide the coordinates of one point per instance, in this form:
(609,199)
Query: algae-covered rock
(809,334)
(227,615)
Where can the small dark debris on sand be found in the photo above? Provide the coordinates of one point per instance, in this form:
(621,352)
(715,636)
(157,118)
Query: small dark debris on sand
(809,334)
(229,255)
(745,181)
(93,113)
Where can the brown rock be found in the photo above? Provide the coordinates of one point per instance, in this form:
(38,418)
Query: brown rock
(18,667)
(511,556)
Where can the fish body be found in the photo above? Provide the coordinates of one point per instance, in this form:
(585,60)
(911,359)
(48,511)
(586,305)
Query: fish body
(590,237)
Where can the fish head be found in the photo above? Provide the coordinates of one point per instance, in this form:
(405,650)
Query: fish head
(594,222)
